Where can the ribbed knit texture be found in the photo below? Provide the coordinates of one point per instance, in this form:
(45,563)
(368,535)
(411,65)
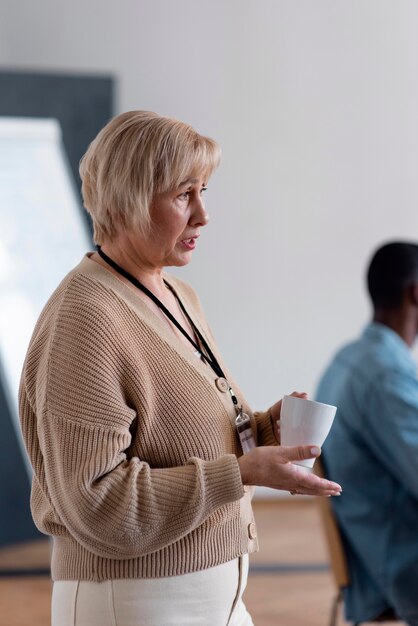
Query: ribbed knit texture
(133,446)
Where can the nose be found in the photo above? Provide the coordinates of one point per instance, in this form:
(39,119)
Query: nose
(199,216)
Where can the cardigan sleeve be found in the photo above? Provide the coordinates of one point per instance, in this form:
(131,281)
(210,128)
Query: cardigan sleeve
(265,433)
(115,506)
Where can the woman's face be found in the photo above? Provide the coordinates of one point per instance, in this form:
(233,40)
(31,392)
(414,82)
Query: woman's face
(177,218)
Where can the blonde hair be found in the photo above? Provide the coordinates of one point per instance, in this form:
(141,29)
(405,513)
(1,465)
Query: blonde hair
(136,155)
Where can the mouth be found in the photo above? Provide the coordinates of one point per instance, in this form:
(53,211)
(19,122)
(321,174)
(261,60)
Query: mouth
(189,244)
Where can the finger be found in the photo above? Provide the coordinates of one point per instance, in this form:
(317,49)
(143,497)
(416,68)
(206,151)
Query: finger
(321,491)
(299,453)
(308,482)
(302,479)
(317,490)
(299,394)
(317,493)
(335,487)
(276,427)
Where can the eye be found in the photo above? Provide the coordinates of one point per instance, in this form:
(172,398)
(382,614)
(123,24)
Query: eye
(185,195)
(203,190)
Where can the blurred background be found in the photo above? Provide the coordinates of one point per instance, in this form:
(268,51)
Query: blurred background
(314,103)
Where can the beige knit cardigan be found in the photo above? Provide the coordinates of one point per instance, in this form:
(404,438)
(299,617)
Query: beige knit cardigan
(132,442)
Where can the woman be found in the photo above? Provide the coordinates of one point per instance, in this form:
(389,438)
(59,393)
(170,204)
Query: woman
(129,413)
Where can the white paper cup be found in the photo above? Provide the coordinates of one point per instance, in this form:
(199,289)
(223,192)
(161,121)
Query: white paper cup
(304,422)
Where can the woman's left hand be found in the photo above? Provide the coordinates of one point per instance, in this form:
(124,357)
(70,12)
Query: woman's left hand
(275,413)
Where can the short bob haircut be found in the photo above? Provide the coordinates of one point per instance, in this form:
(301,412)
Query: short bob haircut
(136,155)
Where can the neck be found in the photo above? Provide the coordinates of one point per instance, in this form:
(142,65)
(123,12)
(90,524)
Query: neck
(129,259)
(402,321)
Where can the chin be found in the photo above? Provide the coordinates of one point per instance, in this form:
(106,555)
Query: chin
(178,261)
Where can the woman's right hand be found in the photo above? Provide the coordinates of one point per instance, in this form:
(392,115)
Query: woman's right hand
(271,466)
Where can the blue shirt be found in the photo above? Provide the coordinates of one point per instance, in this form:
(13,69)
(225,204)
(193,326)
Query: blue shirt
(372,451)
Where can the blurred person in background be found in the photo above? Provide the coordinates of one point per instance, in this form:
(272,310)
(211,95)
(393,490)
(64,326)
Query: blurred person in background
(373,444)
(134,425)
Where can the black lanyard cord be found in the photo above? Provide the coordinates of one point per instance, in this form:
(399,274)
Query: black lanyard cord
(209,357)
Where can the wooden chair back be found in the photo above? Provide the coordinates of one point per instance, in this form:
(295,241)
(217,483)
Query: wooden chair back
(333,538)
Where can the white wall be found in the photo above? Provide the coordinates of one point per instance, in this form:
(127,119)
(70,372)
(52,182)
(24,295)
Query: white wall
(315,105)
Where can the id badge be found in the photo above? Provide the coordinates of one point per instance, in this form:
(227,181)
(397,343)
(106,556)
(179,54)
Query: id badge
(245,432)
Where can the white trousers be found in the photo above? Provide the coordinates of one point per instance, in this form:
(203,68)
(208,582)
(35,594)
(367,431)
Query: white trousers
(212,597)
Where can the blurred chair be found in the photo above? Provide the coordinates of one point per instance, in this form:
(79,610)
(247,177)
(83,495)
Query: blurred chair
(337,558)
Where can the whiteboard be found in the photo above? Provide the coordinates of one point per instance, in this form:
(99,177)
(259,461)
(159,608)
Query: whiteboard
(42,234)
